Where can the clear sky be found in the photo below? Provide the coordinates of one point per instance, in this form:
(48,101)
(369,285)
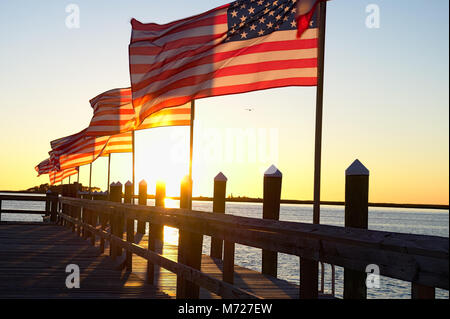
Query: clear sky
(386,102)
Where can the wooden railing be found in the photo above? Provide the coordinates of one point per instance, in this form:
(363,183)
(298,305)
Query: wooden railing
(422,260)
(49,199)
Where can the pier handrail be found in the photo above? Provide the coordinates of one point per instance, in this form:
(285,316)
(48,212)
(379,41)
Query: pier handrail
(418,259)
(21,198)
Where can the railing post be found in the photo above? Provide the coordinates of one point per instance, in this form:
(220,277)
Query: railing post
(356,215)
(116,227)
(228,262)
(102,221)
(142,201)
(47,204)
(128,199)
(220,186)
(189,247)
(422,292)
(54,207)
(77,210)
(271,210)
(155,232)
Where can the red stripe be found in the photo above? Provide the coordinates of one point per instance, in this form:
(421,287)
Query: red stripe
(136,25)
(211,21)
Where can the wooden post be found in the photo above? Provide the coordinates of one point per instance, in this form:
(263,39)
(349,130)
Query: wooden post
(189,248)
(356,215)
(128,199)
(142,201)
(422,292)
(228,262)
(128,193)
(103,221)
(155,232)
(160,195)
(48,197)
(220,186)
(271,210)
(115,195)
(54,207)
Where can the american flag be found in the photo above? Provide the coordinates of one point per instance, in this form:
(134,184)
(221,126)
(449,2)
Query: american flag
(58,176)
(44,167)
(243,46)
(114,114)
(81,150)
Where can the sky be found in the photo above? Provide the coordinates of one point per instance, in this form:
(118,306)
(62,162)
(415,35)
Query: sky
(386,102)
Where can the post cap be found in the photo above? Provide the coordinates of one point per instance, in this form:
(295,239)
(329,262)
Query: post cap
(273,171)
(118,184)
(128,183)
(143,182)
(220,178)
(357,168)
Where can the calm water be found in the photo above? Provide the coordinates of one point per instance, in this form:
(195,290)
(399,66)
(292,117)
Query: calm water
(414,221)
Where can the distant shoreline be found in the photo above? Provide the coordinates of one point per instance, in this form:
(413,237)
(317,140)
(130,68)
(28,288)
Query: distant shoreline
(290,201)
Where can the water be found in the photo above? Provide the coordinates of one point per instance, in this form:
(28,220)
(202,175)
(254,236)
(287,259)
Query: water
(413,221)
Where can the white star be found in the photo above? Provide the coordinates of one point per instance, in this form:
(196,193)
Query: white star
(262,20)
(294,24)
(275,3)
(260,2)
(251,10)
(253,27)
(244,35)
(278,17)
(271,13)
(270,24)
(261,32)
(234,14)
(243,18)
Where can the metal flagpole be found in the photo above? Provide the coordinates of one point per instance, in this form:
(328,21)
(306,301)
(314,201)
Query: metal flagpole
(191,150)
(309,269)
(132,139)
(90,177)
(109,170)
(69,180)
(319,112)
(78,175)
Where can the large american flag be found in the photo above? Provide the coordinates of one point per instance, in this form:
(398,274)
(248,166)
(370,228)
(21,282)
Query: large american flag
(243,46)
(58,176)
(114,114)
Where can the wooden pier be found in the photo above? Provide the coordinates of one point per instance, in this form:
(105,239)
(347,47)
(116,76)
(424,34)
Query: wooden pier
(104,234)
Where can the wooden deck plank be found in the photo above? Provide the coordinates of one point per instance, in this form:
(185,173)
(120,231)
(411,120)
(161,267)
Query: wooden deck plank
(33,261)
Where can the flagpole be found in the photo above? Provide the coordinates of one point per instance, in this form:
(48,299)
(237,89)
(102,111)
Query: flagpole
(133,146)
(319,112)
(191,150)
(309,269)
(90,177)
(109,170)
(69,180)
(78,175)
